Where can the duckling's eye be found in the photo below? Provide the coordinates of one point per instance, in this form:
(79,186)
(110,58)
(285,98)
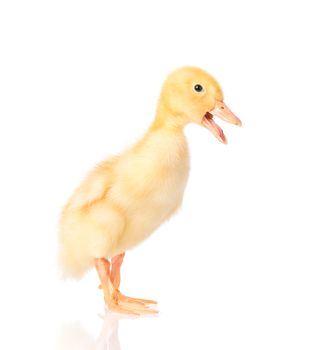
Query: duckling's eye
(198,88)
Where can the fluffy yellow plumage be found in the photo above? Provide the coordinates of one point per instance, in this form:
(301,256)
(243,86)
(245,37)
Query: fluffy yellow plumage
(125,198)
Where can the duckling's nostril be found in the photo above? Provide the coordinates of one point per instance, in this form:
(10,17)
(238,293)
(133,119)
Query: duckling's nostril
(222,107)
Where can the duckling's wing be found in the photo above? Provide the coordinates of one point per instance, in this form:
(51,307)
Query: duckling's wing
(94,186)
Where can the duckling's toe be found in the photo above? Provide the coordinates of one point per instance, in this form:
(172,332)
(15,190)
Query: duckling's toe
(138,309)
(121,309)
(124,298)
(130,305)
(130,308)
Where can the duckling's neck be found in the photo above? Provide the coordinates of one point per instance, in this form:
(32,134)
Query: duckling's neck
(165,137)
(165,120)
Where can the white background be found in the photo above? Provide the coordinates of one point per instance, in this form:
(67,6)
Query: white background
(79,81)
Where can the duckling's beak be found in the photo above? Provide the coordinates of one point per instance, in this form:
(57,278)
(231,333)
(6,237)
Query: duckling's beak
(223,112)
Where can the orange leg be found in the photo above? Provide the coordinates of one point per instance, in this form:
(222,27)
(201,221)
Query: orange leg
(103,270)
(112,296)
(116,263)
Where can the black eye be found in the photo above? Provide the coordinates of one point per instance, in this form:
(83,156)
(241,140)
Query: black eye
(198,88)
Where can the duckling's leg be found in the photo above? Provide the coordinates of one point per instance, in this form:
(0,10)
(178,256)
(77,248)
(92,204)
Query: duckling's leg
(103,270)
(116,263)
(111,295)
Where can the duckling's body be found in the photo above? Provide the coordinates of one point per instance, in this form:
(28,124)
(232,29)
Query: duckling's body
(124,199)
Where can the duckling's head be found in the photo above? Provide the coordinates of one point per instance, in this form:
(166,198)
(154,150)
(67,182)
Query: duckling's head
(190,94)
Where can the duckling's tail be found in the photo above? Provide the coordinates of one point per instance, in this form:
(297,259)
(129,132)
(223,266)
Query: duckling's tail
(70,265)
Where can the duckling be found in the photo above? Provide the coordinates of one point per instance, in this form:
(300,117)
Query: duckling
(124,199)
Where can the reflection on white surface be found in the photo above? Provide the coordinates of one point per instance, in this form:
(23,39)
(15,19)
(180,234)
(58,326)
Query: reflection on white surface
(109,337)
(75,336)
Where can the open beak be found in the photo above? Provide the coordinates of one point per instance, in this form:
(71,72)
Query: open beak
(223,112)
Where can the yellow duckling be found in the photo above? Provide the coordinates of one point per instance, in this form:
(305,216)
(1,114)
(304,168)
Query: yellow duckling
(125,198)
